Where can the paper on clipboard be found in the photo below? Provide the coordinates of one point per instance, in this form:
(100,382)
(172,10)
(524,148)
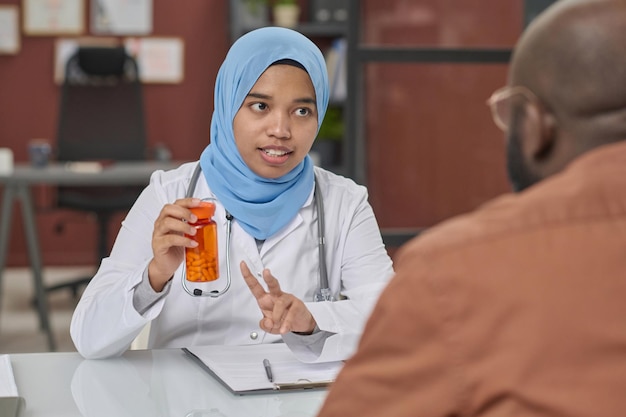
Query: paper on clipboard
(240,368)
(8,388)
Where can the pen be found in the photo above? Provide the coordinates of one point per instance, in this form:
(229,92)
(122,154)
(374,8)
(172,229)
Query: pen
(268,370)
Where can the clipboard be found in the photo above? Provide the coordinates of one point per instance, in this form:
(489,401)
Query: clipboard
(240,368)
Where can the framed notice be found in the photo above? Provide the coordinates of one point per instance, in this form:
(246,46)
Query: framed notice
(121,17)
(53,17)
(160,60)
(9,30)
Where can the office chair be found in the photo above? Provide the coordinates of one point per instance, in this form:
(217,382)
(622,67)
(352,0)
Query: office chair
(101,119)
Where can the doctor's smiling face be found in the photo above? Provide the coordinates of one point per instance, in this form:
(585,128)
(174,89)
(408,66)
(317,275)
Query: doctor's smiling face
(277,123)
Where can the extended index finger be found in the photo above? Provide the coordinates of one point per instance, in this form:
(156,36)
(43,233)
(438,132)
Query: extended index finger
(256,288)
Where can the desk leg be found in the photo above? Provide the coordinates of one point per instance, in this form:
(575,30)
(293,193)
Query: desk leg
(30,226)
(5,228)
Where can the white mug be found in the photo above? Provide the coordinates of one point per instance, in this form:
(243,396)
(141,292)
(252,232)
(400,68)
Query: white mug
(6,161)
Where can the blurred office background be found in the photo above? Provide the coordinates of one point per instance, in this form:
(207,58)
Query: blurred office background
(408,117)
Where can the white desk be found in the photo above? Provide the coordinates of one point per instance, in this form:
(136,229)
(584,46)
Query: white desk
(17,187)
(141,383)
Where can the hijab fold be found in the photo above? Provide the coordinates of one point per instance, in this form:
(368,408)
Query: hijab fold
(262,206)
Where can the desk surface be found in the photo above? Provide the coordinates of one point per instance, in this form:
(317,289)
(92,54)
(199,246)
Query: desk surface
(141,383)
(118,173)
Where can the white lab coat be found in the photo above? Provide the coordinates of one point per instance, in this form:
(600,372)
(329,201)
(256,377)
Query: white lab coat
(105,321)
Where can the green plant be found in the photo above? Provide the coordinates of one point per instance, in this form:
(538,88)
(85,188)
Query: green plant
(332,127)
(254,6)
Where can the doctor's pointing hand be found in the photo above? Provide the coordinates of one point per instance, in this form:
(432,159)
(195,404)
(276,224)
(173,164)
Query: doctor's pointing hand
(282,312)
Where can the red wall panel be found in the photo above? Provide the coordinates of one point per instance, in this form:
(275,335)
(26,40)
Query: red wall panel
(432,151)
(177,115)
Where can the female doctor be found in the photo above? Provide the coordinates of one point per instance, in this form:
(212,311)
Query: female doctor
(271,94)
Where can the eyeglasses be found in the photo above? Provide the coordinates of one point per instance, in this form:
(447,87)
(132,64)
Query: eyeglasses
(500,104)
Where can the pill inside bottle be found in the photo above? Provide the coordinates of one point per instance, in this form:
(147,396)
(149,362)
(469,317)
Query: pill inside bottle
(201,262)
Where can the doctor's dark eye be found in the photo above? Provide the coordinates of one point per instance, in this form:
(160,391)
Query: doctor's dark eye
(258,106)
(303,111)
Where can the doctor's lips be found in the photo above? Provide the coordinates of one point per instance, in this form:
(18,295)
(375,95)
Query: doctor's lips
(275,152)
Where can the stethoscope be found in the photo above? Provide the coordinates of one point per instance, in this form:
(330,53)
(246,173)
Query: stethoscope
(321,294)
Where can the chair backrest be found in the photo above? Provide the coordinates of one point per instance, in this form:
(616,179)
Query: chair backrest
(101,114)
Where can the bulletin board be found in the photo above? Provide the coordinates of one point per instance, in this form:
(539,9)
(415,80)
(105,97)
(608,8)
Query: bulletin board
(160,60)
(9,30)
(53,17)
(121,17)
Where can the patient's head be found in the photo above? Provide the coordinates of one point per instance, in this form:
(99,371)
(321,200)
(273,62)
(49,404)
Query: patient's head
(571,66)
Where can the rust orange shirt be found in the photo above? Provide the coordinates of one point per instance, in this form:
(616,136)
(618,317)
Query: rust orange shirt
(517,309)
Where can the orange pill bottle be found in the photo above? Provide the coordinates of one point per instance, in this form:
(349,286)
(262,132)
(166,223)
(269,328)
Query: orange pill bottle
(201,262)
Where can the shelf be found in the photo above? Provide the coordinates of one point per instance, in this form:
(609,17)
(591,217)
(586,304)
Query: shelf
(322,29)
(311,29)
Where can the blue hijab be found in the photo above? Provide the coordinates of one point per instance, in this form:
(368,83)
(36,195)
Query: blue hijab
(262,206)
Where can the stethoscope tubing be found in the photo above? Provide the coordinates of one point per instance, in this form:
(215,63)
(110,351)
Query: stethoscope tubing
(322,294)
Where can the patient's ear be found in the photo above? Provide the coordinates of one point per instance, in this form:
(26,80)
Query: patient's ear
(539,129)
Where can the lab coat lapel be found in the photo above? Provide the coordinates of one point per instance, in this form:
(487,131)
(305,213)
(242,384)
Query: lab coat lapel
(245,244)
(285,231)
